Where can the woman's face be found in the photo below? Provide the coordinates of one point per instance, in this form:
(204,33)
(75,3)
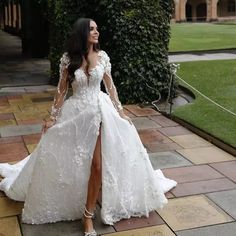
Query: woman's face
(94,34)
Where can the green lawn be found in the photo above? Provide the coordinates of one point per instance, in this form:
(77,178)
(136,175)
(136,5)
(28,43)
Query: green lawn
(217,80)
(202,36)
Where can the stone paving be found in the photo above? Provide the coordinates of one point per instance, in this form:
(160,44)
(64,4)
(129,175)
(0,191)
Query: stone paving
(203,203)
(203,56)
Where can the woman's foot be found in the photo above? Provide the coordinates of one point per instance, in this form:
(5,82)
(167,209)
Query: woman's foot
(88,224)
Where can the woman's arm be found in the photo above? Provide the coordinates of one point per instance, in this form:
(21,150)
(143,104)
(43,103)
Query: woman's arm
(62,88)
(112,92)
(111,88)
(60,95)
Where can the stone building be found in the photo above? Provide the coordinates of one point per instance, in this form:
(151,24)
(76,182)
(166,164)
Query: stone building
(10,16)
(204,10)
(26,19)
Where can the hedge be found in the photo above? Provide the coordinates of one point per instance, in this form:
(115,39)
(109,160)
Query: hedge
(134,33)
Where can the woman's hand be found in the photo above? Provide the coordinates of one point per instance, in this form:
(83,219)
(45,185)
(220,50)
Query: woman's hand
(48,124)
(123,116)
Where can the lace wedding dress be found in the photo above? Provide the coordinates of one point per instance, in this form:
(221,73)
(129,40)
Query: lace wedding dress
(52,181)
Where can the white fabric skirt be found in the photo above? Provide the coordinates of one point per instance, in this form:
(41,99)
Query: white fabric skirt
(52,181)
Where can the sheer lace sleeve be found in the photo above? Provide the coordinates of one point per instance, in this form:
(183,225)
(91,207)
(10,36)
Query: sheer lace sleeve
(109,84)
(62,87)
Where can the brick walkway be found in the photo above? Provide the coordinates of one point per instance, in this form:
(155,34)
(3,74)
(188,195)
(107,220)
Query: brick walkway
(203,203)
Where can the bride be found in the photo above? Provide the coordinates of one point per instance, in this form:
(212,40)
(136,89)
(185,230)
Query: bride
(87,143)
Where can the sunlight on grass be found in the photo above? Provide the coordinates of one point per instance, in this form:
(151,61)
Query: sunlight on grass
(217,80)
(202,36)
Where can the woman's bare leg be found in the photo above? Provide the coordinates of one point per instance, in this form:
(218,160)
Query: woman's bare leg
(94,183)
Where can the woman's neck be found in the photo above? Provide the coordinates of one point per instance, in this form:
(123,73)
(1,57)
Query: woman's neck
(90,49)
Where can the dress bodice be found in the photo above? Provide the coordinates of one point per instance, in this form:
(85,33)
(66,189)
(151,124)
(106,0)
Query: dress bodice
(86,88)
(89,84)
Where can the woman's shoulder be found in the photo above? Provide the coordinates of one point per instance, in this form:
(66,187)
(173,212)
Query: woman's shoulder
(103,55)
(65,59)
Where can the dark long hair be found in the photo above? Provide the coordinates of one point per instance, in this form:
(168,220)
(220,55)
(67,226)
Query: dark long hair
(77,44)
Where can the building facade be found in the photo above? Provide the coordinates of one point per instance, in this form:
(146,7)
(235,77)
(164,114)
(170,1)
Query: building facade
(26,19)
(10,16)
(204,10)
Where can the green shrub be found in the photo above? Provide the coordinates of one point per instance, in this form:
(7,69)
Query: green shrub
(61,15)
(135,34)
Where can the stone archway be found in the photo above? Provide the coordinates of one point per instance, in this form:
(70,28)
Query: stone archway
(226,8)
(188,10)
(196,10)
(201,12)
(179,14)
(27,20)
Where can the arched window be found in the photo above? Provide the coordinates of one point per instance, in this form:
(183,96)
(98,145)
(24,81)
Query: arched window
(188,12)
(201,10)
(231,6)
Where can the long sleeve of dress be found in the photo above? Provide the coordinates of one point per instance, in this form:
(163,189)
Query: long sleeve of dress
(62,86)
(109,84)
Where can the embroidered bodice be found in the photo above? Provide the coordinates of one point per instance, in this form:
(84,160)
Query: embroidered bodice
(85,87)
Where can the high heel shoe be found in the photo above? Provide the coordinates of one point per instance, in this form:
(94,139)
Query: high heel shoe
(89,215)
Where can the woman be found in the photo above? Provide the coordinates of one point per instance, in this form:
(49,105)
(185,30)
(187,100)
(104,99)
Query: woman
(87,142)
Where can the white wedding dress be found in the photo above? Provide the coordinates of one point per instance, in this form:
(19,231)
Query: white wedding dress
(53,180)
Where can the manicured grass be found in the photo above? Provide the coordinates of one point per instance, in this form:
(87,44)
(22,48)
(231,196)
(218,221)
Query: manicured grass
(202,36)
(217,80)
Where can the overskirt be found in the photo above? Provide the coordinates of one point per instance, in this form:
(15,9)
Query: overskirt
(52,181)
